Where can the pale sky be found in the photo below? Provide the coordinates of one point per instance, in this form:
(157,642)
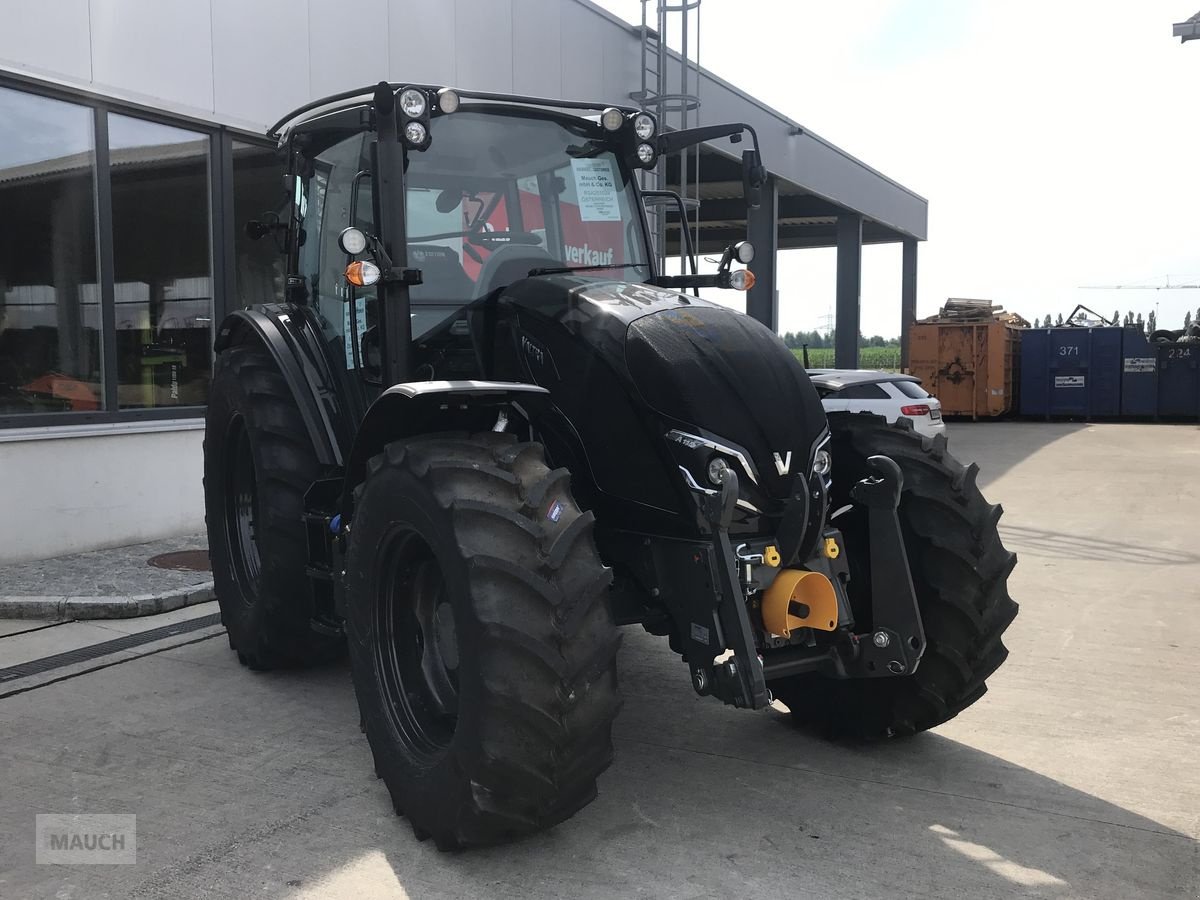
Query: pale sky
(1058,143)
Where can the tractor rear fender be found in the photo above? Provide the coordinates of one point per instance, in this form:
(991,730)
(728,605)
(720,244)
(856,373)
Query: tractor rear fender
(295,347)
(424,407)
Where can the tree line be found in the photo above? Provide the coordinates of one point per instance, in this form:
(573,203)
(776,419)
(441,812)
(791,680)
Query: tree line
(817,340)
(1129,320)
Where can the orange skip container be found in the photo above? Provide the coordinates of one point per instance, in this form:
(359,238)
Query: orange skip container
(972,368)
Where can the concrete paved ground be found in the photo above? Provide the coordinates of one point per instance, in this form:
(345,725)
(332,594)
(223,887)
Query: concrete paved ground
(1078,775)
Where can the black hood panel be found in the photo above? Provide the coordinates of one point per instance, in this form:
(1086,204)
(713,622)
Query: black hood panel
(729,375)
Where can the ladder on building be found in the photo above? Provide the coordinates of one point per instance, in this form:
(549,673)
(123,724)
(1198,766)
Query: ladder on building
(675,106)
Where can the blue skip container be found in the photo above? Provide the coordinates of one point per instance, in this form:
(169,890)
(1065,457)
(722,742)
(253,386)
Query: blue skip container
(1139,375)
(1179,380)
(1071,371)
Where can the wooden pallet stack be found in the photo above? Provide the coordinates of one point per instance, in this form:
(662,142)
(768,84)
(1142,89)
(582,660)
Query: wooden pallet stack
(963,309)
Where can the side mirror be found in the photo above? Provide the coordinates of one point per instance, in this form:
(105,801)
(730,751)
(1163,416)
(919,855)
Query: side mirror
(257,229)
(753,177)
(448,201)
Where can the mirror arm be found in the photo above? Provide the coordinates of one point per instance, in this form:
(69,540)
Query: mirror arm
(357,180)
(674,141)
(754,174)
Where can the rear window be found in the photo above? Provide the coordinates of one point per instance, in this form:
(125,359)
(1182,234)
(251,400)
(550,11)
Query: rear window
(911,389)
(862,392)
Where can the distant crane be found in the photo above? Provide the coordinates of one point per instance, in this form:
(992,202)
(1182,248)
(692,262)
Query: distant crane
(1165,286)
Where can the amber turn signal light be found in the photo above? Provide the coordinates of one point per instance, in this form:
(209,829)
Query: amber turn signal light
(361,273)
(741,280)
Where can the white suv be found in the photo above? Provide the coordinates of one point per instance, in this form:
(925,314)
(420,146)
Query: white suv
(884,393)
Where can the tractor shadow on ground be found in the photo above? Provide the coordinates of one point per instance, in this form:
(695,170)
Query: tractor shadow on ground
(1041,543)
(1000,445)
(703,800)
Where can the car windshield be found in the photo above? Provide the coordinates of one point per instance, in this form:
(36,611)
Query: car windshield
(502,192)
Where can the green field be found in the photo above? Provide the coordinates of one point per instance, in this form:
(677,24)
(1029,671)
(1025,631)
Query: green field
(885,358)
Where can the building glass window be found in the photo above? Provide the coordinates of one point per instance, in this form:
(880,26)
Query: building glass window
(258,195)
(50,322)
(162,267)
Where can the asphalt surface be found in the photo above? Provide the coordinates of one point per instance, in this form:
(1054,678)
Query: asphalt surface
(1076,776)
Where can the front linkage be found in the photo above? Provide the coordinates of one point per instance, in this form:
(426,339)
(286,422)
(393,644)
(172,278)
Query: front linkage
(717,586)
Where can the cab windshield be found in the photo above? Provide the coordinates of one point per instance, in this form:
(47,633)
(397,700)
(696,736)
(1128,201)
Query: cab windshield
(496,195)
(501,193)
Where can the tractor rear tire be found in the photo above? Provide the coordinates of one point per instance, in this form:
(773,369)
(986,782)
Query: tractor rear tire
(482,645)
(960,572)
(258,463)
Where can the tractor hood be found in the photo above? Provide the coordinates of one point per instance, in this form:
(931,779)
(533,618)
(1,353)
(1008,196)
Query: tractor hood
(607,348)
(732,377)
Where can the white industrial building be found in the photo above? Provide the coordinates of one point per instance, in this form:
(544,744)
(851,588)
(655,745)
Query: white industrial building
(132,151)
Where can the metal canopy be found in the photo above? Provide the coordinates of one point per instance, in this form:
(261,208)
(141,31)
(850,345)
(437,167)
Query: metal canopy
(1188,30)
(805,219)
(816,194)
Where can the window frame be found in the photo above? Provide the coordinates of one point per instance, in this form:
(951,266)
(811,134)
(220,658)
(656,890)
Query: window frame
(15,426)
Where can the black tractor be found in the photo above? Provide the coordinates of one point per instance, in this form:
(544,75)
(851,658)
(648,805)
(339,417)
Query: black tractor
(482,429)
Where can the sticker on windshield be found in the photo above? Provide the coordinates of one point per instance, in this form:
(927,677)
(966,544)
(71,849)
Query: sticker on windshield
(596,190)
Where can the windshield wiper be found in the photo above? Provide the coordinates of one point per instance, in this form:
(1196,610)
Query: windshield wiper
(562,270)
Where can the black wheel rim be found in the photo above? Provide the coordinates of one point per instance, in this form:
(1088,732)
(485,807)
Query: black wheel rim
(416,645)
(241,511)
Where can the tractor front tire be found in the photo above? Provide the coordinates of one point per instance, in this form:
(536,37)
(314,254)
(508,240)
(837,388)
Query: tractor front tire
(258,463)
(482,644)
(960,573)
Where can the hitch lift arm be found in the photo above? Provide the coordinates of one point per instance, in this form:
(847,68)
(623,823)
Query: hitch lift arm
(739,681)
(897,640)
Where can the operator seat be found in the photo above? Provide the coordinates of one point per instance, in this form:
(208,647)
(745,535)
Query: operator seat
(443,277)
(510,263)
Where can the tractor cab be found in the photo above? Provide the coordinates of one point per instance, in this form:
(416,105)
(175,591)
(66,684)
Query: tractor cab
(442,201)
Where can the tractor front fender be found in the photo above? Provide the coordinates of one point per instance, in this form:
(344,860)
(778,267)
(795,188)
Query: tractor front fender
(424,407)
(286,334)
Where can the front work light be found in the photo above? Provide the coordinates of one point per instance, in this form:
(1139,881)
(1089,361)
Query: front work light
(741,280)
(352,241)
(715,467)
(415,133)
(645,154)
(744,251)
(612,119)
(822,463)
(412,103)
(643,127)
(362,273)
(447,100)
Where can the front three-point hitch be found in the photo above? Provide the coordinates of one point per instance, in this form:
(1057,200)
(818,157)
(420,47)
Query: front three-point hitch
(897,638)
(753,602)
(739,680)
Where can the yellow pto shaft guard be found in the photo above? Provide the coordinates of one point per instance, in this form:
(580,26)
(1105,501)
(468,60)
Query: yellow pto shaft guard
(799,599)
